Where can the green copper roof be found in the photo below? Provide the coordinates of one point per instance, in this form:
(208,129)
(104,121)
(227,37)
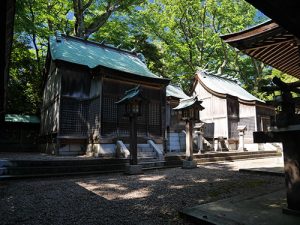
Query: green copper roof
(21,118)
(224,85)
(175,91)
(189,102)
(92,54)
(129,95)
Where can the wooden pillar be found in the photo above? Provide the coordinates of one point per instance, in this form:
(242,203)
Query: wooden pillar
(189,163)
(189,140)
(291,143)
(133,141)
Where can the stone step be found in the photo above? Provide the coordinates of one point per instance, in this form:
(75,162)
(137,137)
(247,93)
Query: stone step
(174,161)
(153,164)
(148,149)
(147,159)
(143,145)
(146,154)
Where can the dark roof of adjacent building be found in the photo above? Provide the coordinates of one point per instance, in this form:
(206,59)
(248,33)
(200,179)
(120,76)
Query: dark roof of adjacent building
(271,44)
(175,91)
(286,13)
(222,85)
(15,118)
(92,55)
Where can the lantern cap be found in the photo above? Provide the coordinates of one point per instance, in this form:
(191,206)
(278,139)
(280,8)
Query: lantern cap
(130,95)
(189,103)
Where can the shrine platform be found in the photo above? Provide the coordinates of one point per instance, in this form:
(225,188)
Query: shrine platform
(23,165)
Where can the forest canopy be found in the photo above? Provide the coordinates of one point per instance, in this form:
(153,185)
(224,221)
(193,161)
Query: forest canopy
(176,37)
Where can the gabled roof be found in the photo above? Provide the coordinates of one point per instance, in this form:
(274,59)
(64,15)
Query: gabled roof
(92,54)
(175,91)
(271,44)
(216,84)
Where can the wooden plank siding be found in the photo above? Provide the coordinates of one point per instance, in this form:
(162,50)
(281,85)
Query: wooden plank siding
(214,113)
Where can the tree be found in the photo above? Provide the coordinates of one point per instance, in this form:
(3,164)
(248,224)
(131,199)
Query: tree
(187,34)
(35,21)
(91,15)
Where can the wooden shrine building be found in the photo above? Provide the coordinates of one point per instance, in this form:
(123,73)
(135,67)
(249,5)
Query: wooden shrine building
(227,105)
(83,81)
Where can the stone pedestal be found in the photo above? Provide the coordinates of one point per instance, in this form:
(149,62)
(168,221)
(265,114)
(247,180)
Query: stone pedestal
(241,142)
(133,169)
(189,164)
(241,129)
(200,141)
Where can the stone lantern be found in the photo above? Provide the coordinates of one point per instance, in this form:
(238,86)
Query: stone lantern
(189,108)
(132,104)
(200,132)
(241,129)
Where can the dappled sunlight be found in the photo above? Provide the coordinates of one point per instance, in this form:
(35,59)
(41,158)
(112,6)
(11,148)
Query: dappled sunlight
(151,178)
(220,179)
(112,191)
(275,205)
(177,186)
(140,193)
(219,208)
(200,181)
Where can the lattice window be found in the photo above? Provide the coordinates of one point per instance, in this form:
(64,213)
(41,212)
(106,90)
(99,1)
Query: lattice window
(74,117)
(113,122)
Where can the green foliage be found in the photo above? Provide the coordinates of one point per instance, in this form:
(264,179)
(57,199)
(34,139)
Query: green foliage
(187,35)
(24,86)
(177,37)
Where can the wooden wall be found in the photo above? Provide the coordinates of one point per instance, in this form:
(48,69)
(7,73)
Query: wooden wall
(51,102)
(214,113)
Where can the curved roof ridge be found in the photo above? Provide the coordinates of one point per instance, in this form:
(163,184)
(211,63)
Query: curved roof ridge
(225,86)
(90,54)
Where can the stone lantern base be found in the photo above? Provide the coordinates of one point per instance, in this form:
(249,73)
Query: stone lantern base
(133,169)
(189,164)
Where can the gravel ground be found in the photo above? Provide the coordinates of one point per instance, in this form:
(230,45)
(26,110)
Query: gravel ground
(152,198)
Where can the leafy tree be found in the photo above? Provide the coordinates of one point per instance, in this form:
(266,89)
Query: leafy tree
(91,15)
(35,21)
(24,86)
(186,34)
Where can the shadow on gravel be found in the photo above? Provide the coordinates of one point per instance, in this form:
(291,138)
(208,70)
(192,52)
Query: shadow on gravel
(151,198)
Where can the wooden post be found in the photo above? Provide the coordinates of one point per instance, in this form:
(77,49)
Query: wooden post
(189,163)
(291,143)
(133,141)
(189,140)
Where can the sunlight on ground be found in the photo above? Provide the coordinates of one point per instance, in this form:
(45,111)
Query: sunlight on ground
(200,181)
(119,191)
(152,178)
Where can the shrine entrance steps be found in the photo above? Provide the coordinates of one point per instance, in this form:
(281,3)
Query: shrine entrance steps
(149,158)
(176,159)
